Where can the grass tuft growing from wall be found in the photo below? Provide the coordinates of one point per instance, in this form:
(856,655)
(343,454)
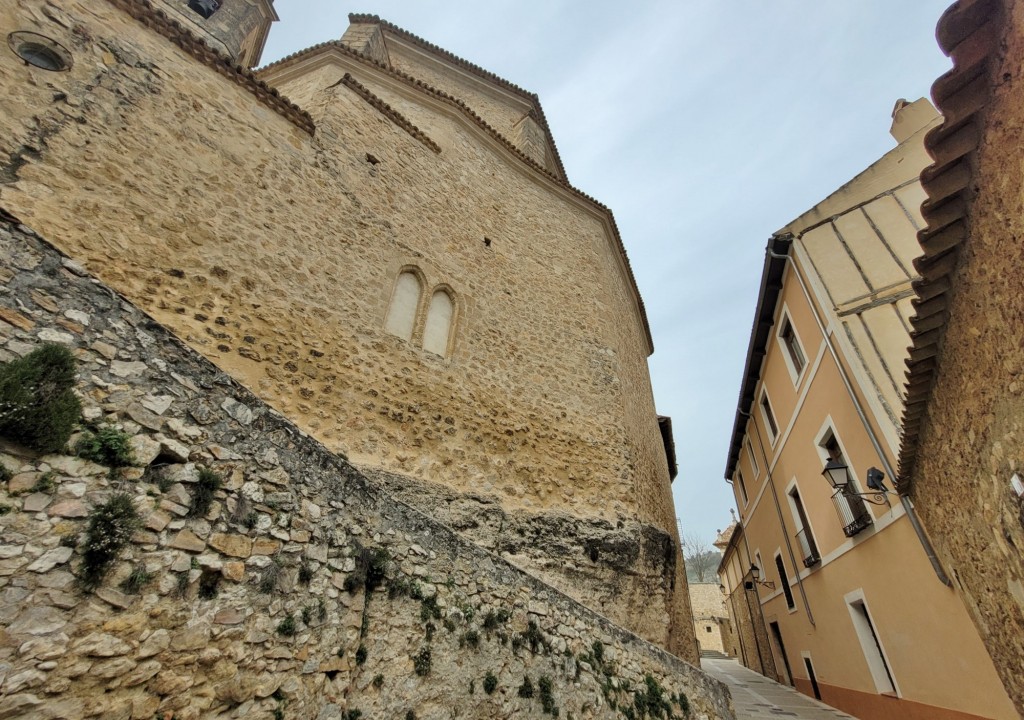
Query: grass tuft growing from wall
(38,406)
(110,528)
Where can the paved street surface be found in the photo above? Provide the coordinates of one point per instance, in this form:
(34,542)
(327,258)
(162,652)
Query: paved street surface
(758,698)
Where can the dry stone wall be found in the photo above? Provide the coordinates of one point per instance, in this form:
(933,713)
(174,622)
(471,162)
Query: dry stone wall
(274,253)
(304,591)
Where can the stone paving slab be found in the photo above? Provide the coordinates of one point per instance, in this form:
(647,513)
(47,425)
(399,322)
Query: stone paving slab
(758,698)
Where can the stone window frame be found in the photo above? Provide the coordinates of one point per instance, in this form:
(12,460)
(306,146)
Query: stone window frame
(428,289)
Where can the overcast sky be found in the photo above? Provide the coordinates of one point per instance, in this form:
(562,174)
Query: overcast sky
(705,126)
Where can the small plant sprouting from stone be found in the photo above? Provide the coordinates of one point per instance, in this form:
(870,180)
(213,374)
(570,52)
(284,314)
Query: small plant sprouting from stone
(305,573)
(110,528)
(352,715)
(533,637)
(361,654)
(410,715)
(370,571)
(378,681)
(270,575)
(38,406)
(307,614)
(107,446)
(421,661)
(208,584)
(287,626)
(490,682)
(472,687)
(526,689)
(404,587)
(209,483)
(470,638)
(597,652)
(135,581)
(495,619)
(430,629)
(45,484)
(429,609)
(547,697)
(321,610)
(5,474)
(251,520)
(183,583)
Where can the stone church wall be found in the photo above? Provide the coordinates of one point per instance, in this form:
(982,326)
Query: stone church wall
(274,253)
(251,610)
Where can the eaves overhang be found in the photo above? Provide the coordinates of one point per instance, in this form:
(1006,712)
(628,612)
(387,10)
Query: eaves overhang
(776,254)
(969,32)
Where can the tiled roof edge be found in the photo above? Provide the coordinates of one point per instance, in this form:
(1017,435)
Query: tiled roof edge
(968,33)
(156,20)
(768,294)
(389,112)
(505,142)
(471,67)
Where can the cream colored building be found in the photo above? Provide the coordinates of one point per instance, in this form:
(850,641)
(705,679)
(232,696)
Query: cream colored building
(711,623)
(854,610)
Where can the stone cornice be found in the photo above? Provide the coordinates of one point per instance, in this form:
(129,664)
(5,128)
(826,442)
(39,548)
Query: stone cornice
(159,22)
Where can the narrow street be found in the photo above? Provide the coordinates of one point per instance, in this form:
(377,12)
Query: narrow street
(758,698)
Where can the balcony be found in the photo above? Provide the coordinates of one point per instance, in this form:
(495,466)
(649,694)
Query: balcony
(808,549)
(852,512)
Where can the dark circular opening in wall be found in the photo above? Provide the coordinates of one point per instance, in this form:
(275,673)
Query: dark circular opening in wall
(40,51)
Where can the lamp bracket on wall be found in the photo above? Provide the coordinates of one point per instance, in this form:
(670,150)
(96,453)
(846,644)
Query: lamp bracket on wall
(838,476)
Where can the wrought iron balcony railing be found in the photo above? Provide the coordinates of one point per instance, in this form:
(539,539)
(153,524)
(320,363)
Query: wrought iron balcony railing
(808,548)
(853,513)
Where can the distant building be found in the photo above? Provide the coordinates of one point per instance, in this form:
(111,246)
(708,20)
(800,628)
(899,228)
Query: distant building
(834,588)
(962,458)
(711,623)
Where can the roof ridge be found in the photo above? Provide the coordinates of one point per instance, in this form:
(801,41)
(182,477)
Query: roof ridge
(472,67)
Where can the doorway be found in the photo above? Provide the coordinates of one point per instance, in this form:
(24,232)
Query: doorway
(777,636)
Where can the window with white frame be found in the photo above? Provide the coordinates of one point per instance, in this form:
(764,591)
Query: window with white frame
(792,351)
(853,512)
(769,418)
(804,536)
(753,459)
(780,567)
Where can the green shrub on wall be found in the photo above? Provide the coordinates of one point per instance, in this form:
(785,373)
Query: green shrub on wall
(110,527)
(38,407)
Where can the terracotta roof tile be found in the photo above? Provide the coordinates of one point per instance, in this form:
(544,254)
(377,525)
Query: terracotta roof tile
(156,20)
(968,33)
(475,69)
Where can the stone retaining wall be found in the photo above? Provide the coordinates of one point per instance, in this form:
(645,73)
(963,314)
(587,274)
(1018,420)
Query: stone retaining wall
(283,627)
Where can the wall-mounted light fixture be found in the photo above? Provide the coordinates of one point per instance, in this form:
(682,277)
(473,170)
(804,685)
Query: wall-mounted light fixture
(755,573)
(838,476)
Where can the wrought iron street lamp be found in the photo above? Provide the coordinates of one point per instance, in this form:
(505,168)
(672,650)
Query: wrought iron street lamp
(755,573)
(838,476)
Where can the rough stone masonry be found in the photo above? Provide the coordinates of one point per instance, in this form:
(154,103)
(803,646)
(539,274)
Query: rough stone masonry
(251,610)
(270,238)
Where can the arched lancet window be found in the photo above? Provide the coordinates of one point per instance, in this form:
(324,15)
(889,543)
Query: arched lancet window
(439,323)
(405,301)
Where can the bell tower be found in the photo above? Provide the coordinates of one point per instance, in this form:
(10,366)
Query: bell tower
(237,28)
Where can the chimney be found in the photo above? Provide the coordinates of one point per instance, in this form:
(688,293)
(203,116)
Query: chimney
(909,118)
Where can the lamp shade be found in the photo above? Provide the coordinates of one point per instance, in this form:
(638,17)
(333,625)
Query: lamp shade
(837,474)
(755,572)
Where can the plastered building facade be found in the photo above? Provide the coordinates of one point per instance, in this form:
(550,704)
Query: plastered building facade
(397,263)
(856,609)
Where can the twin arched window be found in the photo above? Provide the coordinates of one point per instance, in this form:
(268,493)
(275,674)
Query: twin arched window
(434,329)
